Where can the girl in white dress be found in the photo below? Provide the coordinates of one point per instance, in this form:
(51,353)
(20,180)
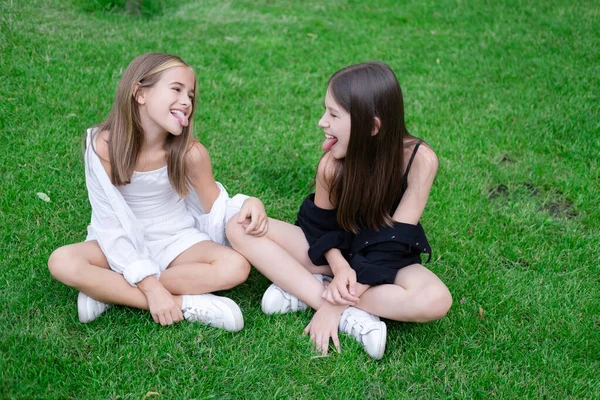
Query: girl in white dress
(156,240)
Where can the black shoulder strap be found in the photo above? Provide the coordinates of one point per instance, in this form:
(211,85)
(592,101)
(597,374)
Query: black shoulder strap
(412,157)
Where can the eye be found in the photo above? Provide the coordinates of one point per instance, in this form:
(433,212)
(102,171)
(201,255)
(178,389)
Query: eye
(177,89)
(191,96)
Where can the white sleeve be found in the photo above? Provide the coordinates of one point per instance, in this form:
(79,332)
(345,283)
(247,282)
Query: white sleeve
(222,210)
(115,228)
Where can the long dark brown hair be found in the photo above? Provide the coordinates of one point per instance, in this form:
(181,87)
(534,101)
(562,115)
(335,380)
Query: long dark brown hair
(126,135)
(367,183)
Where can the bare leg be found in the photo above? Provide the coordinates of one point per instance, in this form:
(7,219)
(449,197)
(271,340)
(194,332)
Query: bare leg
(417,295)
(203,268)
(282,256)
(84,267)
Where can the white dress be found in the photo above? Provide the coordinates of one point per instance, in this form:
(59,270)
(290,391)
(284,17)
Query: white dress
(170,228)
(141,227)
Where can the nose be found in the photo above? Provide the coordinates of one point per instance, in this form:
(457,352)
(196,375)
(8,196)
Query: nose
(185,100)
(323,122)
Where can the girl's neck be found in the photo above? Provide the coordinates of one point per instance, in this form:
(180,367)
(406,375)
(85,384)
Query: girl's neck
(154,140)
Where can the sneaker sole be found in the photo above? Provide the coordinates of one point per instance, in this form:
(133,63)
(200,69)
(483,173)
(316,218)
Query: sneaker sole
(82,305)
(382,341)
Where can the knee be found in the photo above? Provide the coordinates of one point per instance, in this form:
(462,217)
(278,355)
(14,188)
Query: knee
(234,231)
(436,301)
(235,271)
(62,266)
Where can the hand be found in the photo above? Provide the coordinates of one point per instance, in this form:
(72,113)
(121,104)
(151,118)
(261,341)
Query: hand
(324,325)
(162,306)
(342,289)
(253,217)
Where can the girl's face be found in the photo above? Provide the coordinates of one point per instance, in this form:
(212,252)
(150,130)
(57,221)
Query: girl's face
(167,105)
(336,126)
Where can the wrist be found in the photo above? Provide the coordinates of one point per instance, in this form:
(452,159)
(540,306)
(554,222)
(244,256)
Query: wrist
(336,268)
(334,309)
(149,284)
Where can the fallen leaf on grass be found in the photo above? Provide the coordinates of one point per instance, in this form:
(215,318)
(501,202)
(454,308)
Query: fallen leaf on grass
(463,300)
(311,35)
(151,394)
(481,313)
(44,197)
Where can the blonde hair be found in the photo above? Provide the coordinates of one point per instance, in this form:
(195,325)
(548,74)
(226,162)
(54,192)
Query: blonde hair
(126,135)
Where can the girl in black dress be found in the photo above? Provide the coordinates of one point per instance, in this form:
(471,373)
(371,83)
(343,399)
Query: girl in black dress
(355,252)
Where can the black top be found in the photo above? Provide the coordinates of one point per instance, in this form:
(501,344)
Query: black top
(377,255)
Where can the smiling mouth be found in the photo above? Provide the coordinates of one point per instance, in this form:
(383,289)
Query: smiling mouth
(181,117)
(329,142)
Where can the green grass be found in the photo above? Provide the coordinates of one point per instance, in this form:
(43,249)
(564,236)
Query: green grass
(508,94)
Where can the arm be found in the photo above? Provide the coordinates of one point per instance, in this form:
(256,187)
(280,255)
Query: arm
(342,290)
(251,214)
(201,175)
(420,180)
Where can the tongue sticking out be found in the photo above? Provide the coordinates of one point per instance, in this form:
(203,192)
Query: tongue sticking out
(183,120)
(328,143)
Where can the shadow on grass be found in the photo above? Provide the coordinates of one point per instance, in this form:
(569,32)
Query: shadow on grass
(136,8)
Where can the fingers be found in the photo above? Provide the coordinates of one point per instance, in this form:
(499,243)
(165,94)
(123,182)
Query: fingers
(352,287)
(176,315)
(162,320)
(323,343)
(348,297)
(168,317)
(336,341)
(264,228)
(307,329)
(332,295)
(252,225)
(243,214)
(258,224)
(321,339)
(348,291)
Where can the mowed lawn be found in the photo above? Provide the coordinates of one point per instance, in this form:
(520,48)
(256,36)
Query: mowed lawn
(507,93)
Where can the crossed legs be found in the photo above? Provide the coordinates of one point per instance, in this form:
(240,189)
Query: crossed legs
(417,294)
(203,268)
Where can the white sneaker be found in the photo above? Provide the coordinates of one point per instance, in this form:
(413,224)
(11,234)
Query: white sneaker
(212,310)
(278,301)
(89,309)
(366,328)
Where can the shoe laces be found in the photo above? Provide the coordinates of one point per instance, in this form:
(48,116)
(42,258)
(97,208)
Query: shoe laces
(201,314)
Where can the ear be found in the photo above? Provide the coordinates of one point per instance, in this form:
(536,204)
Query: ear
(376,126)
(139,94)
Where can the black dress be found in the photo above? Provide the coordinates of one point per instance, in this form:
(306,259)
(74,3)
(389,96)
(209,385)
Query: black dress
(376,256)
